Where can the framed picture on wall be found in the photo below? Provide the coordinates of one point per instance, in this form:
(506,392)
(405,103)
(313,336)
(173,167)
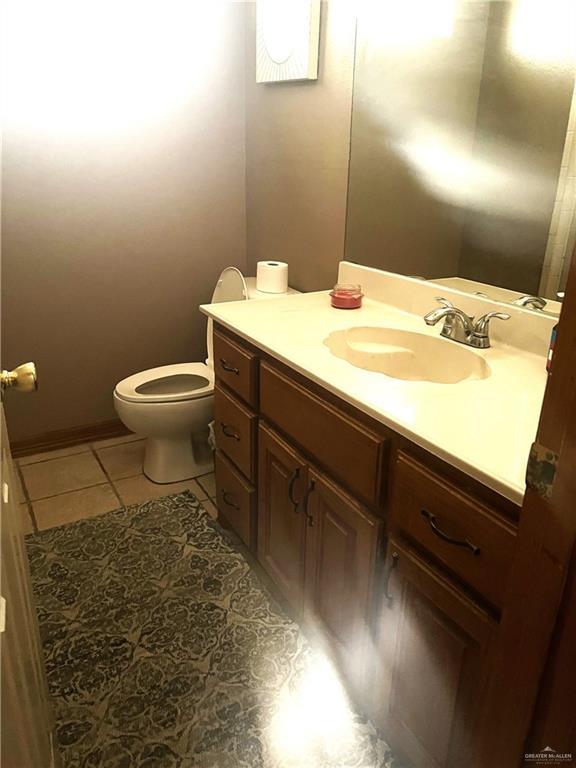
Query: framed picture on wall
(287,40)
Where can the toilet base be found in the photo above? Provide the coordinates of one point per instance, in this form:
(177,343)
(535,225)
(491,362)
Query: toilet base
(169,460)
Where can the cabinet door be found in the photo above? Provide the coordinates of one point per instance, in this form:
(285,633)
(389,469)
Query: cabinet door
(433,654)
(282,477)
(342,544)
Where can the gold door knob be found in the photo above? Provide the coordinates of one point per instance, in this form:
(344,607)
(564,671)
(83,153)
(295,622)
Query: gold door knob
(22,378)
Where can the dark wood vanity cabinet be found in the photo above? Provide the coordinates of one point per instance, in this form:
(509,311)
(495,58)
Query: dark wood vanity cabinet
(470,539)
(235,431)
(343,541)
(281,521)
(236,499)
(348,450)
(318,544)
(400,561)
(235,428)
(433,652)
(236,367)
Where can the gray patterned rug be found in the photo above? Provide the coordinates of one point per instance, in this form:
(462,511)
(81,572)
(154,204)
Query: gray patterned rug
(164,650)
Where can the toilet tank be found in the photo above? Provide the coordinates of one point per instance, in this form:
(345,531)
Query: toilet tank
(233,286)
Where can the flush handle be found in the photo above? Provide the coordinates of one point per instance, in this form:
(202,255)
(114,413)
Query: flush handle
(445,537)
(22,379)
(228,367)
(228,431)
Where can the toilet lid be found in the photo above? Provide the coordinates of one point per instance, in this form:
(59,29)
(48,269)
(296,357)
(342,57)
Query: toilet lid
(168,383)
(230,286)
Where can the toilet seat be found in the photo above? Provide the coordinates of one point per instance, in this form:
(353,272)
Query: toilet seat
(167,384)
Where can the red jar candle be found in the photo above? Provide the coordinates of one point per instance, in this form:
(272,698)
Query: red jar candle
(346,296)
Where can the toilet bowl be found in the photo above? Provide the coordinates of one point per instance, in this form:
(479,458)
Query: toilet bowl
(173,405)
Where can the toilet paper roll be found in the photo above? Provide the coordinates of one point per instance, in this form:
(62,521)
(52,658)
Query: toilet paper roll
(272,276)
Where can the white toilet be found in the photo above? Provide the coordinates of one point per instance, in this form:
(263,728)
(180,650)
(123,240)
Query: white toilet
(173,405)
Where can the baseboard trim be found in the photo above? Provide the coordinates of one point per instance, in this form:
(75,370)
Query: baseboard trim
(65,438)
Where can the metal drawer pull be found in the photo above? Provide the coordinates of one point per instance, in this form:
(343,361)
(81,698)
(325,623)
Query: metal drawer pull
(227,431)
(229,499)
(457,542)
(293,477)
(228,367)
(393,564)
(309,490)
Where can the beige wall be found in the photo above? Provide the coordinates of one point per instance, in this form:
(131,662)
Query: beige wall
(297,149)
(111,241)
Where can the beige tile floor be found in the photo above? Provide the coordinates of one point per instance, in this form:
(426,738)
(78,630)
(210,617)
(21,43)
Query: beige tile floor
(63,486)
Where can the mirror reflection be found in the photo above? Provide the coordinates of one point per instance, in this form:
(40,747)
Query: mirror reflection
(463,152)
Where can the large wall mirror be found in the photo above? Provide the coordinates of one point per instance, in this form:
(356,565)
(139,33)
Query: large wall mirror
(463,149)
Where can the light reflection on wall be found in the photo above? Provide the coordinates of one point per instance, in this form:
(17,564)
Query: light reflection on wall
(91,68)
(498,182)
(543,31)
(403,23)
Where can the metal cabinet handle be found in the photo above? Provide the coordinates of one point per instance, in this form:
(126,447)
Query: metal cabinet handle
(228,367)
(228,431)
(394,562)
(309,517)
(444,536)
(293,477)
(229,499)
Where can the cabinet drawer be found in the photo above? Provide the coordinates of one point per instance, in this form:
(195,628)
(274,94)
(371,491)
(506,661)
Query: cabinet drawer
(237,368)
(235,431)
(461,532)
(345,448)
(236,500)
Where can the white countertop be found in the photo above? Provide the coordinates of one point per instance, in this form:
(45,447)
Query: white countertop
(484,427)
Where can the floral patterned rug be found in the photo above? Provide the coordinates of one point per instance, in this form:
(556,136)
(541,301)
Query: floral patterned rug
(164,650)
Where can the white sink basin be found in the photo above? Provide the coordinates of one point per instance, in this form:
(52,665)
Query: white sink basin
(407,355)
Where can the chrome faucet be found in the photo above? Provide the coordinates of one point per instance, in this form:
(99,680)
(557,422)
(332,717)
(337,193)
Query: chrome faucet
(535,302)
(460,327)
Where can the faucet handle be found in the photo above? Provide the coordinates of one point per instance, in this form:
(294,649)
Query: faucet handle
(481,325)
(535,302)
(467,320)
